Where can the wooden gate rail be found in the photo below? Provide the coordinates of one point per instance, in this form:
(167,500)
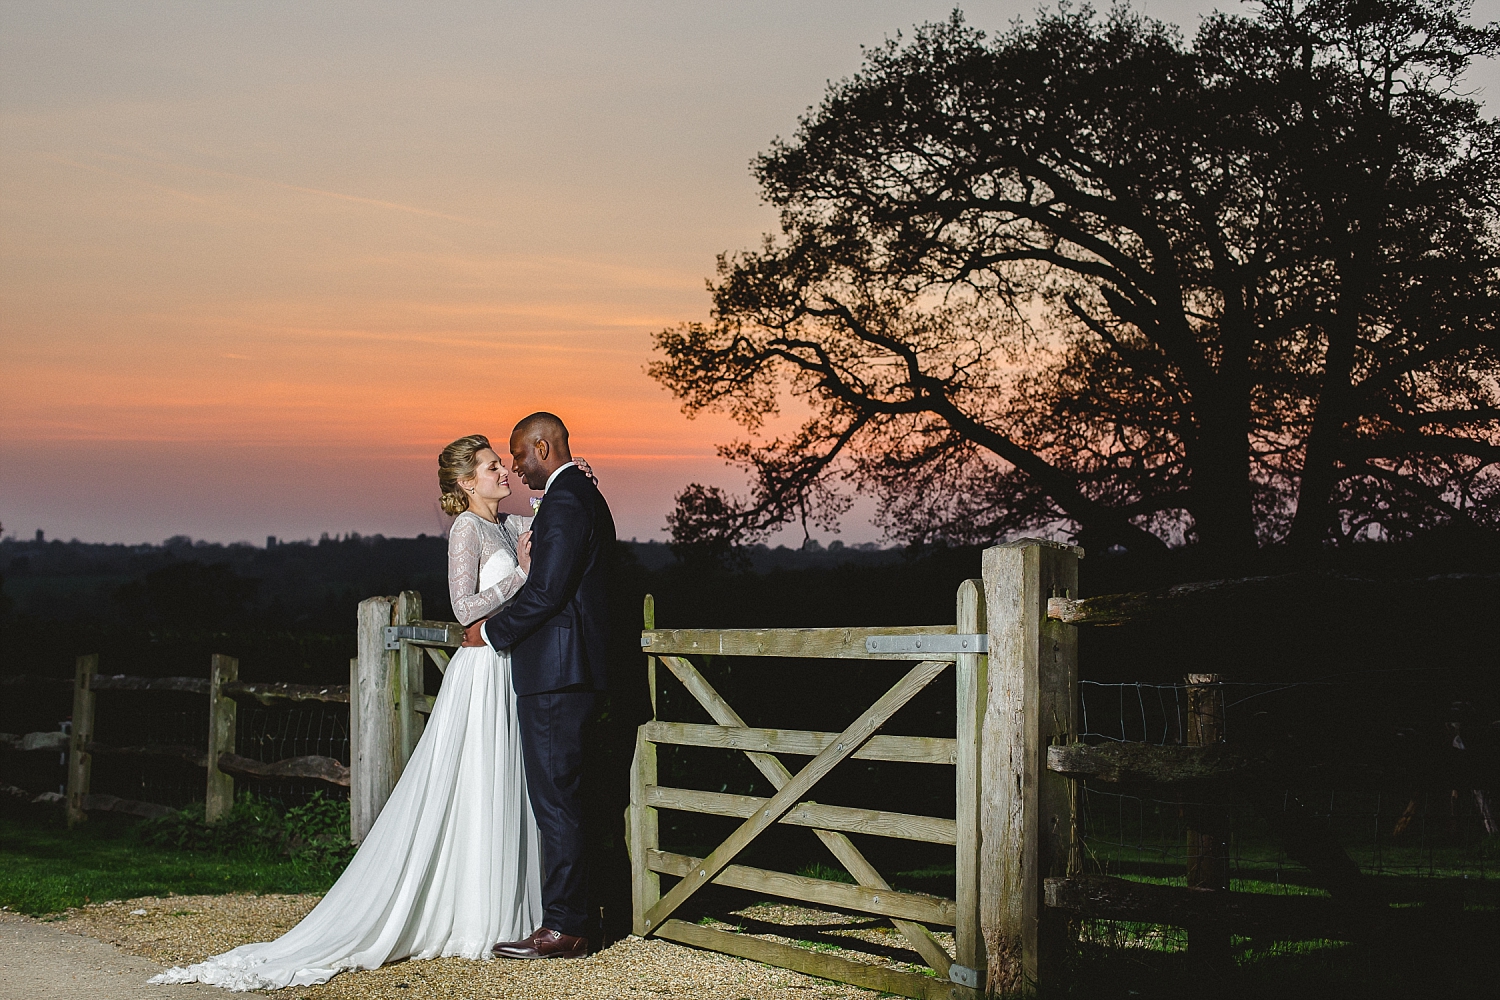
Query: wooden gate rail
(911,749)
(883,902)
(875,822)
(813,963)
(823,643)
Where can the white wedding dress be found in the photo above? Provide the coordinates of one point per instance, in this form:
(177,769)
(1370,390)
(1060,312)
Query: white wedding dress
(451,865)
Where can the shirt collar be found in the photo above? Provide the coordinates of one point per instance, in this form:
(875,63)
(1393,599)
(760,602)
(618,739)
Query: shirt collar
(558,472)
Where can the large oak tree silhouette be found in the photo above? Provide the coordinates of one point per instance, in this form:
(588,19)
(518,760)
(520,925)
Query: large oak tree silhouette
(1091,277)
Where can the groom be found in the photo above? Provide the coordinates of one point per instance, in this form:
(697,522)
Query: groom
(556,632)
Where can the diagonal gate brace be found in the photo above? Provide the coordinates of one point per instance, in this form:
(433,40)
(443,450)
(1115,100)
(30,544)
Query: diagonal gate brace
(841,846)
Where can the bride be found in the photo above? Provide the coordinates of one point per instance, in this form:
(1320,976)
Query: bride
(451,864)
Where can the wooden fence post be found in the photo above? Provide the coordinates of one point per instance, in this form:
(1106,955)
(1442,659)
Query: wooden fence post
(372,716)
(1207,841)
(1026,812)
(80,761)
(642,833)
(354,819)
(222,712)
(973,687)
(408,680)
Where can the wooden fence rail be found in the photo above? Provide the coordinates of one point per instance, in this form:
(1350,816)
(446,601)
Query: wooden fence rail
(264,692)
(221,764)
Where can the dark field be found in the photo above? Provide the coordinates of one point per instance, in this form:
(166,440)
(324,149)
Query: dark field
(1360,672)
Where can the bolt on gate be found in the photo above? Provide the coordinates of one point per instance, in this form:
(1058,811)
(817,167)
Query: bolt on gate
(1016,677)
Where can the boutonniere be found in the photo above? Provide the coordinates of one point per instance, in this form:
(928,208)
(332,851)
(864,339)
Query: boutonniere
(536,505)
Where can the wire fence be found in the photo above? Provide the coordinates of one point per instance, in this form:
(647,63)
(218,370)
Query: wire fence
(271,733)
(157,727)
(146,721)
(1399,766)
(29,705)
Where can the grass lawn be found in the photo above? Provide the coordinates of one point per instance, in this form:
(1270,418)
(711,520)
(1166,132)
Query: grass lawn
(45,867)
(1444,945)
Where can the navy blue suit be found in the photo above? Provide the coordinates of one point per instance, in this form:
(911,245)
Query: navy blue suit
(556,631)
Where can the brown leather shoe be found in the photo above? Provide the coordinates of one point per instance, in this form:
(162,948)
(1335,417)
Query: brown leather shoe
(544,943)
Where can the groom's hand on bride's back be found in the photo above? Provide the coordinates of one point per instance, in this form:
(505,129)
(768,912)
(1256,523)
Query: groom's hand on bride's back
(474,634)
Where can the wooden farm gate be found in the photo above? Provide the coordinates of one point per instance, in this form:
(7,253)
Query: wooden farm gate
(1013,824)
(1015,672)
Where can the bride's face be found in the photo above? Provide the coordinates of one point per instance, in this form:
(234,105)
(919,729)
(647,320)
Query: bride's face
(490,478)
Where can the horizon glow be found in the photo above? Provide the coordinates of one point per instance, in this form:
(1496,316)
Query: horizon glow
(258,264)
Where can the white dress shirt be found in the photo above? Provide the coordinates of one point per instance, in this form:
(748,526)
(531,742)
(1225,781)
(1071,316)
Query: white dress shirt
(556,473)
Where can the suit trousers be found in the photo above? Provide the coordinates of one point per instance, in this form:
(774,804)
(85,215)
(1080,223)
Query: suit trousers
(552,736)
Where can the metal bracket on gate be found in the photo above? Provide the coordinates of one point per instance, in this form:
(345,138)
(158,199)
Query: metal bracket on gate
(927,644)
(962,975)
(420,633)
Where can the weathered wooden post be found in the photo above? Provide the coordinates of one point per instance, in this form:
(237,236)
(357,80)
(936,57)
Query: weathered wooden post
(1026,811)
(409,681)
(972,676)
(642,832)
(1207,839)
(80,761)
(373,727)
(222,713)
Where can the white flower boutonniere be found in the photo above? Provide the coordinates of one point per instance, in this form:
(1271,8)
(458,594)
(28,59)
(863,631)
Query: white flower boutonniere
(536,505)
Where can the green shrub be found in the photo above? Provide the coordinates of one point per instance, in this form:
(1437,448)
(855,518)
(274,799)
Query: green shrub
(255,827)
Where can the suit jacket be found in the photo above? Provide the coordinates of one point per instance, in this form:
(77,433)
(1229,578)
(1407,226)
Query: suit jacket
(557,627)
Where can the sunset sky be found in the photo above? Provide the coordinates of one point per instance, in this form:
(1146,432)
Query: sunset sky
(260,261)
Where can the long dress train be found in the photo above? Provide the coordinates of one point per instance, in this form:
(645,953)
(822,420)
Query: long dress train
(451,864)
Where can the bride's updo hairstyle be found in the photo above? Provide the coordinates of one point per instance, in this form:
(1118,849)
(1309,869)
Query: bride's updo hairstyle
(454,463)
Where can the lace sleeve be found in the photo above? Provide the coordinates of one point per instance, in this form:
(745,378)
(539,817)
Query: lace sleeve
(500,593)
(465,552)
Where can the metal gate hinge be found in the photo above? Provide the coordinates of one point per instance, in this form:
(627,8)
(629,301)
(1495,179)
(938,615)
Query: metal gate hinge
(421,633)
(927,644)
(964,976)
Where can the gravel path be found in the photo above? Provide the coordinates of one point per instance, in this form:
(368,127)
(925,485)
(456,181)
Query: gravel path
(182,929)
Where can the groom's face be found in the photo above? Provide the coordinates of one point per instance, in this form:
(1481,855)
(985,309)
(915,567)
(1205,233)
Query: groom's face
(529,458)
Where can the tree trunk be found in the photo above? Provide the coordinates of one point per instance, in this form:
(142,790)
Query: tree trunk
(1313,520)
(1222,501)
(1358,273)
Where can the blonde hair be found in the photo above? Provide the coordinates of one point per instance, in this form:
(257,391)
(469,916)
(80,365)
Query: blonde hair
(457,462)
